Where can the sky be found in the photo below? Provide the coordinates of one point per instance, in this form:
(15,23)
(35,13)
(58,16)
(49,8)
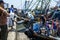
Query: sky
(17,3)
(20,3)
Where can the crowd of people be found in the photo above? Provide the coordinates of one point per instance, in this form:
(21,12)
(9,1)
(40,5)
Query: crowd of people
(43,25)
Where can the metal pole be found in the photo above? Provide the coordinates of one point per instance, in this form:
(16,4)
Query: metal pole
(33,5)
(16,29)
(41,6)
(37,4)
(47,6)
(30,4)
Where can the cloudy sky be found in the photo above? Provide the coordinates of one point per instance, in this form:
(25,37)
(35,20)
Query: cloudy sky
(20,3)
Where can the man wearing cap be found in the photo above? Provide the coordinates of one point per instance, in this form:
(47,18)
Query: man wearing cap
(3,21)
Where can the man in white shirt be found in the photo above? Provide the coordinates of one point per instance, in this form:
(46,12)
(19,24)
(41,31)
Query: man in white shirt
(31,19)
(11,18)
(30,16)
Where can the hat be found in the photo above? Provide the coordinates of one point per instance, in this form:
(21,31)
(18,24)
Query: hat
(1,1)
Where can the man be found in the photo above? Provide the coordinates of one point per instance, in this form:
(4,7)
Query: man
(11,21)
(31,19)
(3,21)
(38,25)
